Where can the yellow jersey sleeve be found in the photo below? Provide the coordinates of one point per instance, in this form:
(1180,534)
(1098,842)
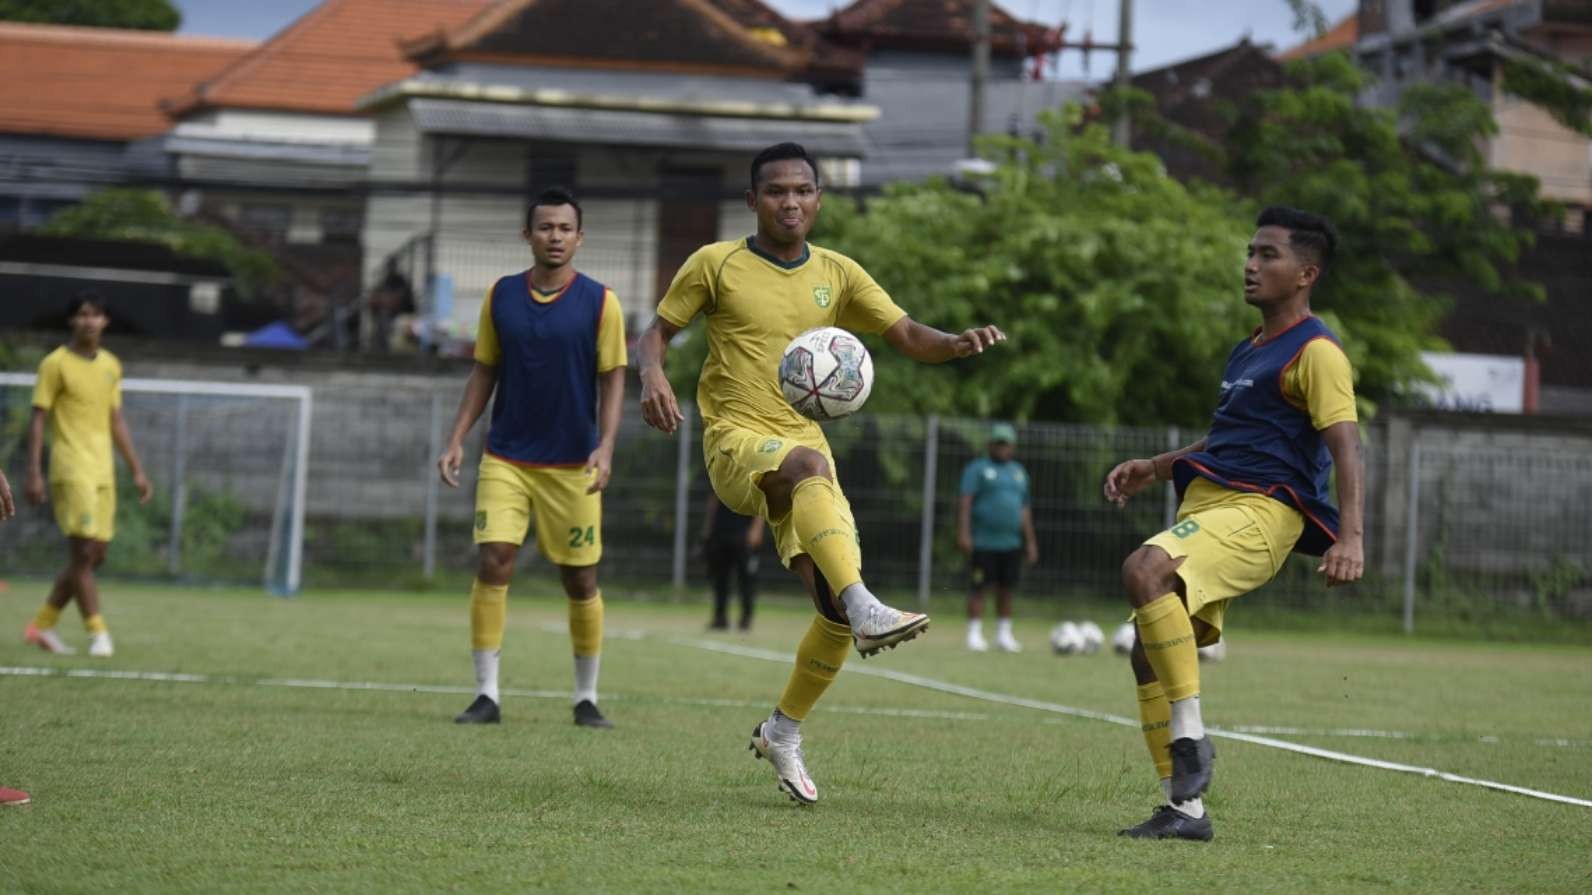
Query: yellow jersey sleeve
(611,334)
(48,385)
(691,291)
(865,306)
(487,349)
(1321,381)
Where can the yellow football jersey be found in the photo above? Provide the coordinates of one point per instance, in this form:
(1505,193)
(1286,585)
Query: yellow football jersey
(755,304)
(79,394)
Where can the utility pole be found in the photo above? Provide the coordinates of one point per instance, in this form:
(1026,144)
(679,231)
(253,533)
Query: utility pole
(975,100)
(1121,131)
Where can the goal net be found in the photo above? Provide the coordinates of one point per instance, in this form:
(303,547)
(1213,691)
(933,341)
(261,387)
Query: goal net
(229,465)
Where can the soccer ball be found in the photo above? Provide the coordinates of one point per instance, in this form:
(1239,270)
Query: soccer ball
(826,373)
(1092,636)
(1122,640)
(1066,639)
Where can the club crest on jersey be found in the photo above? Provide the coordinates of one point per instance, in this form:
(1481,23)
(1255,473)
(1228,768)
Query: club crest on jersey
(769,446)
(822,296)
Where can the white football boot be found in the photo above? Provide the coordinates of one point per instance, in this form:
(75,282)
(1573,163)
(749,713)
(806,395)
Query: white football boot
(46,639)
(883,628)
(100,646)
(786,757)
(1006,643)
(976,642)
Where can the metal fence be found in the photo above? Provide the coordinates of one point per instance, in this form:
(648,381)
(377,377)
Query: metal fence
(1463,517)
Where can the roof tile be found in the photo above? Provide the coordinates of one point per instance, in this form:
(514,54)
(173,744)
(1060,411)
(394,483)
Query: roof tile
(99,83)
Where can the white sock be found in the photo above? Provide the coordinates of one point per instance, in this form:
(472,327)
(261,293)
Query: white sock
(1186,719)
(782,727)
(1166,789)
(486,672)
(858,600)
(1003,628)
(975,627)
(1194,808)
(586,678)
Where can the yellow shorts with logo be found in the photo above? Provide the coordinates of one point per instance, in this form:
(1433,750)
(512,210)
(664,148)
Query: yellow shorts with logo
(737,459)
(1234,541)
(85,509)
(569,522)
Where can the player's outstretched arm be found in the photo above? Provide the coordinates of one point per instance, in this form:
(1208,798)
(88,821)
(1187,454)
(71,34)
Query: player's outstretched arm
(927,345)
(477,391)
(8,506)
(1344,561)
(1132,476)
(124,443)
(658,405)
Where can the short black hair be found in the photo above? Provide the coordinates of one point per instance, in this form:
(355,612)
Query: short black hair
(1310,235)
(781,152)
(552,197)
(84,298)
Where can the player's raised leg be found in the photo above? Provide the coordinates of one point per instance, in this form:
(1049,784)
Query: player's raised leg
(803,486)
(1166,638)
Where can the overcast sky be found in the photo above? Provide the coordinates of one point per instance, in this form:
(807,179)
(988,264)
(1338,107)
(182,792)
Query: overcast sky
(1164,30)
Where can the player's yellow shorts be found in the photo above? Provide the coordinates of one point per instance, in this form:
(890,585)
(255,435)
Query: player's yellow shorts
(1234,541)
(737,459)
(85,509)
(569,522)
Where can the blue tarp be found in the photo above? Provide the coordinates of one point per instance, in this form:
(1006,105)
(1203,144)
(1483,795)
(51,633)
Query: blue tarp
(276,335)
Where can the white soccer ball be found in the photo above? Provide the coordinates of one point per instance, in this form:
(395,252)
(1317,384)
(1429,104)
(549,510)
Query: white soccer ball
(826,373)
(1216,652)
(1066,639)
(1122,640)
(1092,636)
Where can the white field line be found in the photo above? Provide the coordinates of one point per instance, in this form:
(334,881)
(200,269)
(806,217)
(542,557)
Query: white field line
(786,658)
(316,684)
(1040,705)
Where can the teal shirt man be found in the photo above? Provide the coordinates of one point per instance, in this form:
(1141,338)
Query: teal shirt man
(995,528)
(1000,494)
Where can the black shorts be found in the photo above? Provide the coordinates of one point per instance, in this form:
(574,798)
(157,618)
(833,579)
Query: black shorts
(1001,568)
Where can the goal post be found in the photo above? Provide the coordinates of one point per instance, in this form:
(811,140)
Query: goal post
(230,464)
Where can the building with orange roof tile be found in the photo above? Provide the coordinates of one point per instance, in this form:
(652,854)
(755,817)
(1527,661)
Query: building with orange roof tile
(74,102)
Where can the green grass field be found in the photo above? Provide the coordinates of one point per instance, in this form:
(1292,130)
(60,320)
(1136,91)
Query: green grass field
(247,778)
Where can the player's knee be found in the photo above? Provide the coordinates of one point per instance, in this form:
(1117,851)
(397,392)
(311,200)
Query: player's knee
(1146,574)
(497,563)
(580,582)
(803,464)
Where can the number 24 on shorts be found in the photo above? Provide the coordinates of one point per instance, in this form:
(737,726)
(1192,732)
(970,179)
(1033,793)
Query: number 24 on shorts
(579,537)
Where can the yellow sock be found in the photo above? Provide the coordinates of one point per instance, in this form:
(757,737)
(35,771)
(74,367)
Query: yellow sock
(826,533)
(1155,720)
(95,624)
(47,617)
(818,660)
(586,625)
(1168,639)
(489,612)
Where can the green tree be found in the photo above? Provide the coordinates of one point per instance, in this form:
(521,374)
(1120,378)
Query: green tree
(146,15)
(145,215)
(1410,193)
(1118,286)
